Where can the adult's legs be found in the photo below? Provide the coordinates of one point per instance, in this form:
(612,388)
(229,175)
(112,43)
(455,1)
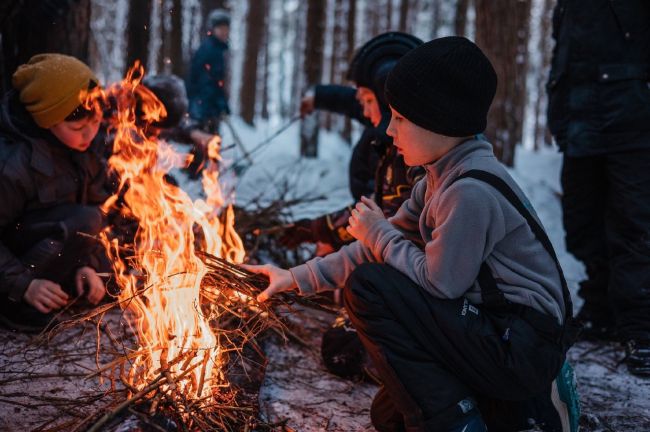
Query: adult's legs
(436,356)
(628,238)
(584,200)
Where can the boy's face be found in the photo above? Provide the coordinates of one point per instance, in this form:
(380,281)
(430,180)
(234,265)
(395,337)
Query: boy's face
(78,134)
(221,32)
(368,101)
(417,145)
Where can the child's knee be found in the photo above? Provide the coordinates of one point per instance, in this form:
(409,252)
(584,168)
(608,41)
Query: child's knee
(363,285)
(84,219)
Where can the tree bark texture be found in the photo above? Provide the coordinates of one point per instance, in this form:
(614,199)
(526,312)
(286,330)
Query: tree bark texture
(502,33)
(255,24)
(460,19)
(137,33)
(404,15)
(316,20)
(176,48)
(38,26)
(542,135)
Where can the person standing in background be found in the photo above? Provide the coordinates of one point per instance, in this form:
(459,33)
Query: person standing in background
(599,114)
(206,81)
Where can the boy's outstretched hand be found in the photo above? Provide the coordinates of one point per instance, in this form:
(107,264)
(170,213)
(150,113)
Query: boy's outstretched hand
(364,215)
(87,282)
(280,280)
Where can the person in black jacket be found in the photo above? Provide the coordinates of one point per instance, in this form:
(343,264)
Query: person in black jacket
(51,182)
(599,114)
(206,80)
(375,168)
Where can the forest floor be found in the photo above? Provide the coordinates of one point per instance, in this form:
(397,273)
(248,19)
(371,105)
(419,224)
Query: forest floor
(297,387)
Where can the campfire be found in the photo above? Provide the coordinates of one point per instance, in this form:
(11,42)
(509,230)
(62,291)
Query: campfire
(161,282)
(177,348)
(181,293)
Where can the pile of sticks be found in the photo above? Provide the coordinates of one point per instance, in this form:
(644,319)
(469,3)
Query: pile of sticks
(228,300)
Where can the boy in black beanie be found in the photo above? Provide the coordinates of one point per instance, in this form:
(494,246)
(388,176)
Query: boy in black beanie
(459,298)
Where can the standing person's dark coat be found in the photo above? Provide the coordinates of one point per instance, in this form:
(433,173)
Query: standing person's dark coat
(599,113)
(208,71)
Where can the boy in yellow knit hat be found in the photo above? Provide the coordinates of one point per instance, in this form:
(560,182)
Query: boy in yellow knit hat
(51,182)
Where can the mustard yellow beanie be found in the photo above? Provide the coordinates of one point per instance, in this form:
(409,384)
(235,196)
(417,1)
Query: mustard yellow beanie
(50,86)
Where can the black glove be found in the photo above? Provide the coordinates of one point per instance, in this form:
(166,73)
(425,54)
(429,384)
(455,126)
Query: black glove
(300,232)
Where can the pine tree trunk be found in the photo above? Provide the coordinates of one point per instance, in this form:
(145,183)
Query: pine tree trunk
(32,27)
(404,15)
(176,36)
(265,73)
(255,23)
(315,41)
(373,20)
(542,136)
(138,29)
(502,32)
(460,20)
(350,45)
(164,58)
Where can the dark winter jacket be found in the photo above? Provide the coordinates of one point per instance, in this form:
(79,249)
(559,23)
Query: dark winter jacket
(365,158)
(205,83)
(392,179)
(599,86)
(37,172)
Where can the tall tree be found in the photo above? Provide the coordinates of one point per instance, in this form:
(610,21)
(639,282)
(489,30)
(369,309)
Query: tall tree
(315,41)
(176,42)
(255,24)
(29,27)
(542,136)
(266,73)
(404,15)
(502,30)
(350,45)
(460,19)
(137,31)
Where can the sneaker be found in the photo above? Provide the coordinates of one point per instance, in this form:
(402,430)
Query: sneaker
(24,318)
(565,398)
(638,357)
(557,409)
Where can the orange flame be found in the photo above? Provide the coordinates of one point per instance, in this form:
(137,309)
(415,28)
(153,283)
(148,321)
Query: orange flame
(160,285)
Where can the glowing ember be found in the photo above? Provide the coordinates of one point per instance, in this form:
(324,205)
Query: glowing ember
(161,282)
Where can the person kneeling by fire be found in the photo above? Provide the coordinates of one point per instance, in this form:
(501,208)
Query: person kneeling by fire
(51,182)
(459,298)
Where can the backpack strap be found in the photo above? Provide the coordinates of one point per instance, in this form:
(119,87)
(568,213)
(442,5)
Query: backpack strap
(486,280)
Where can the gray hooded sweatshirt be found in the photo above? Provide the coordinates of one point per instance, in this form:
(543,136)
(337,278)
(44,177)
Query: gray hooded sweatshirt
(441,235)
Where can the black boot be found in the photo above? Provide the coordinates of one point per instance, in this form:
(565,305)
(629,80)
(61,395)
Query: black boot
(598,323)
(638,357)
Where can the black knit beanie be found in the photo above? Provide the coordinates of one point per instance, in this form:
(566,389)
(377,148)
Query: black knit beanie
(375,59)
(445,85)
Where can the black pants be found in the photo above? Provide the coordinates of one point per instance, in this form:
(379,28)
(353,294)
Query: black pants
(432,353)
(606,213)
(47,241)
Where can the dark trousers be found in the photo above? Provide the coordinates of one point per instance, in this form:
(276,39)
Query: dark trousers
(606,214)
(432,353)
(47,241)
